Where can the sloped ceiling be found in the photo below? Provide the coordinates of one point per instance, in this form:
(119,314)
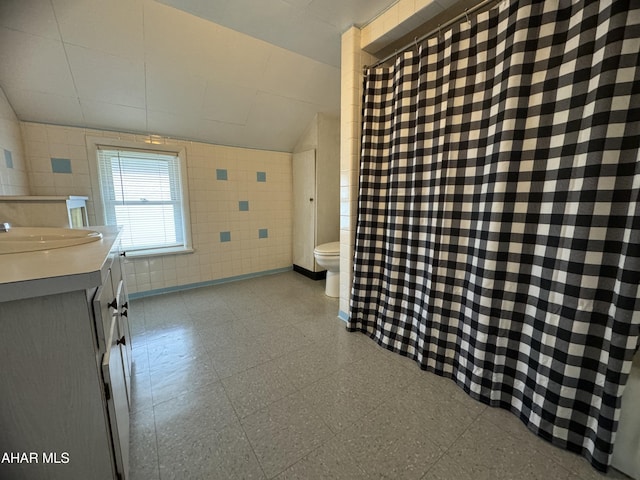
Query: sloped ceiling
(248,73)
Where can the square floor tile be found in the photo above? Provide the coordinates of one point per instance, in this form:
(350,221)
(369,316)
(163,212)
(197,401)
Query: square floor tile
(485,452)
(194,413)
(238,355)
(342,398)
(327,461)
(399,445)
(284,432)
(172,382)
(218,455)
(143,451)
(256,388)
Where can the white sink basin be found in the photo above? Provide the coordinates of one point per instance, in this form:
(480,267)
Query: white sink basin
(32,239)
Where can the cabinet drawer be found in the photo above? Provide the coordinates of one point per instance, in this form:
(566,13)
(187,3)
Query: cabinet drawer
(124,332)
(103,308)
(116,396)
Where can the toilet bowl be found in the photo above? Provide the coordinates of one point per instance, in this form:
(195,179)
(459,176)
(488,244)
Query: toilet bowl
(328,256)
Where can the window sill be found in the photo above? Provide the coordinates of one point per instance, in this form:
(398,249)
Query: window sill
(157,252)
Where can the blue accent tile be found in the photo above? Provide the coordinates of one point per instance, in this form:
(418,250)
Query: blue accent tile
(8,158)
(221,174)
(60,165)
(261,176)
(243,205)
(225,236)
(263,233)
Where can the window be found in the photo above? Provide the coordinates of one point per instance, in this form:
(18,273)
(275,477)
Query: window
(142,191)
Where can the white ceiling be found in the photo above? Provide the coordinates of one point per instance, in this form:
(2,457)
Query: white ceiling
(248,73)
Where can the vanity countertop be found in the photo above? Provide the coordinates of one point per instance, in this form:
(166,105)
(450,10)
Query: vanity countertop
(48,272)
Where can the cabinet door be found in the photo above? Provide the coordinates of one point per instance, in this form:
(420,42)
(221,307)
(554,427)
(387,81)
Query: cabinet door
(304,209)
(124,333)
(103,308)
(122,309)
(117,403)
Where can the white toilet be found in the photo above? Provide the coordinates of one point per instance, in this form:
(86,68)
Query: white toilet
(328,256)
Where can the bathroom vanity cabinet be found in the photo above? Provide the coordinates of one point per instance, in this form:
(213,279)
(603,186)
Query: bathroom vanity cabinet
(65,349)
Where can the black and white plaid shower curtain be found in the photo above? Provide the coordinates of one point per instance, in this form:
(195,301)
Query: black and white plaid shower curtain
(498,234)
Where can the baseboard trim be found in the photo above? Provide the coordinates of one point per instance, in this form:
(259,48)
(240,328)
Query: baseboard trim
(308,273)
(178,288)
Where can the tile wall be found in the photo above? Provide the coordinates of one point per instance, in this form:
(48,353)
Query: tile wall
(240,204)
(353,58)
(13,168)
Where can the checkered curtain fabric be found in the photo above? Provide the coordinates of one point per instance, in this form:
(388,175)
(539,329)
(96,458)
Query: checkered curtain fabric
(498,234)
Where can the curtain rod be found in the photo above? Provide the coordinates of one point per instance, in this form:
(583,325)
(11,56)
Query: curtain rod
(465,14)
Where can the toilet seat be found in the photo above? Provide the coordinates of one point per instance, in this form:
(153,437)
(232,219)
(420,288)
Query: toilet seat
(331,249)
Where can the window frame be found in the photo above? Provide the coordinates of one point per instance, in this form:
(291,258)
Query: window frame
(93,145)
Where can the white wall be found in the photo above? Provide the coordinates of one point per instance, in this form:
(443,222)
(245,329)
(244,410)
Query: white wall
(353,58)
(13,168)
(323,135)
(214,204)
(328,179)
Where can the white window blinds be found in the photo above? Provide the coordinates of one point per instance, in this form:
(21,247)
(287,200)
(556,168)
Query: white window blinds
(142,191)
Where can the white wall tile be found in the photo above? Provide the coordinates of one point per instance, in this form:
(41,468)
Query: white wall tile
(13,179)
(349,150)
(214,205)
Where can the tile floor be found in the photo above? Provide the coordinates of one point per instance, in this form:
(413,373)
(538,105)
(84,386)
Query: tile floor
(260,379)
